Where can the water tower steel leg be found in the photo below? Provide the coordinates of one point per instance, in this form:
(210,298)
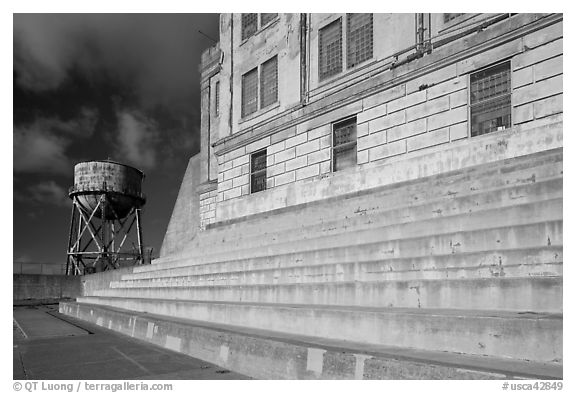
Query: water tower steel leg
(105,255)
(79,234)
(139,228)
(70,236)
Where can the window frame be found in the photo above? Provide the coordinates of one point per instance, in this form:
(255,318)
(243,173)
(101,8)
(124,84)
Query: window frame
(262,24)
(242,93)
(348,66)
(342,146)
(344,37)
(322,78)
(217,99)
(259,26)
(253,173)
(259,87)
(261,83)
(492,99)
(245,36)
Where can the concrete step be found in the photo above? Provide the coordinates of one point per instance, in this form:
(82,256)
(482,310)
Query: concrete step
(508,263)
(431,252)
(528,336)
(381,216)
(514,215)
(485,220)
(539,294)
(372,210)
(267,354)
(481,179)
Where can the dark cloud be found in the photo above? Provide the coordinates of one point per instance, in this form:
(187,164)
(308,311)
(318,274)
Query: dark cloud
(44,193)
(158,54)
(137,137)
(41,147)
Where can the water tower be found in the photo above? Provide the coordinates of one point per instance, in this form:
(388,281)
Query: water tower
(106,202)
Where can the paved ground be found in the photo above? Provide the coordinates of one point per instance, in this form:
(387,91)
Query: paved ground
(48,345)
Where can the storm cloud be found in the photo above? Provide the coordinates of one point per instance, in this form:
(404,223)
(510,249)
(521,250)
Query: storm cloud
(157,54)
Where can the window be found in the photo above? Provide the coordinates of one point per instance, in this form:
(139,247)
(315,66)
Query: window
(217,99)
(344,144)
(269,82)
(490,103)
(250,92)
(359,44)
(359,39)
(249,25)
(268,87)
(330,49)
(266,18)
(258,172)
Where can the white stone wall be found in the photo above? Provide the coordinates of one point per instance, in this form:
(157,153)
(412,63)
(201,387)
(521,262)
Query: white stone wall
(207,208)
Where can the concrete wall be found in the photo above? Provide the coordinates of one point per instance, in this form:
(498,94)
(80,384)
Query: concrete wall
(38,268)
(408,107)
(38,288)
(184,222)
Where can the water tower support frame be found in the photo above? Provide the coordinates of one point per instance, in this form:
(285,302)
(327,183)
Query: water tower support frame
(93,240)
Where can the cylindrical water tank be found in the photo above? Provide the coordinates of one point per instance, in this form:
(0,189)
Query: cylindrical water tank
(122,185)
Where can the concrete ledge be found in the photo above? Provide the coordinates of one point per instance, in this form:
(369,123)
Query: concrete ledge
(521,140)
(266,355)
(515,335)
(535,294)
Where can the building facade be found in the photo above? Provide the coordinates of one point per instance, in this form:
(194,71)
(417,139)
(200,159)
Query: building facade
(301,107)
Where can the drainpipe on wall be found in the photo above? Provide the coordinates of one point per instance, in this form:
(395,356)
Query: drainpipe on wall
(303,59)
(231,84)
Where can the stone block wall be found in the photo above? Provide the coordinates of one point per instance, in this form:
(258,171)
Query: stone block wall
(207,208)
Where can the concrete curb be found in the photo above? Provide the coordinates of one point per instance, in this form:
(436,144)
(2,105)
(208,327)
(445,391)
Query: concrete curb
(285,357)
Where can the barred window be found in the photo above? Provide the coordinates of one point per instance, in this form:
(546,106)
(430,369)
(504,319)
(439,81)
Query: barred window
(359,38)
(250,92)
(249,25)
(266,18)
(449,17)
(344,144)
(217,98)
(269,82)
(258,172)
(490,101)
(330,49)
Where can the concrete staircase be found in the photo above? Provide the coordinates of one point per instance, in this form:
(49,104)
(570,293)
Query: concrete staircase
(453,276)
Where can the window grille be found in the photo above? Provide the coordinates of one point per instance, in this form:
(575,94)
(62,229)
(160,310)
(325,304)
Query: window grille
(266,18)
(344,144)
(249,25)
(258,172)
(250,92)
(450,17)
(490,101)
(330,49)
(269,82)
(217,98)
(359,38)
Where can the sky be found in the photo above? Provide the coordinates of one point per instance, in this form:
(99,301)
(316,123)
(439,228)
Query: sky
(101,86)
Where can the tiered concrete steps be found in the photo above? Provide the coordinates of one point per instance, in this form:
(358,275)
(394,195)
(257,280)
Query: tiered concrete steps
(469,262)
